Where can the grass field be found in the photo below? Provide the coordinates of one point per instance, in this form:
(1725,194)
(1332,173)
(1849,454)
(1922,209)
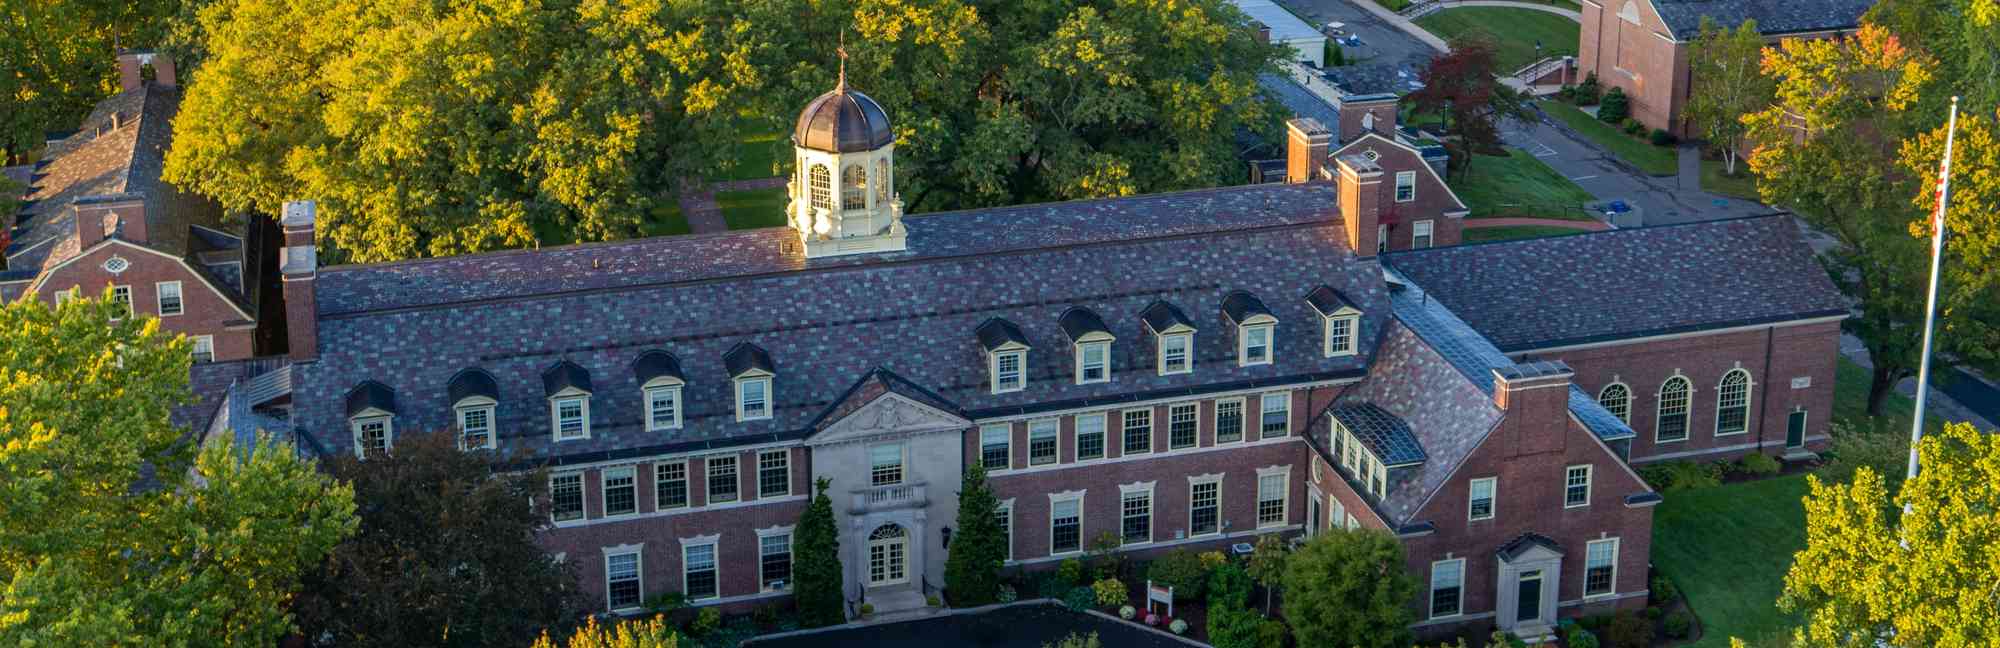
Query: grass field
(1511,232)
(1519,185)
(1515,30)
(1652,160)
(1728,548)
(752,209)
(1742,185)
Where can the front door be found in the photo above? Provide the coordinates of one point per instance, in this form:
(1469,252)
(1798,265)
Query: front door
(1528,603)
(888,551)
(1795,430)
(1312,519)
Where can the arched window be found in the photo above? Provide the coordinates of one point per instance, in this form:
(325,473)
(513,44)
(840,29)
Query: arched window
(1673,421)
(822,187)
(882,181)
(1732,403)
(1617,398)
(854,188)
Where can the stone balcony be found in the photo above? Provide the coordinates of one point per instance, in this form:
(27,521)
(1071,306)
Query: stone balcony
(890,497)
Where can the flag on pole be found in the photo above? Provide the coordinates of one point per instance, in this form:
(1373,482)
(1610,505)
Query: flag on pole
(1930,306)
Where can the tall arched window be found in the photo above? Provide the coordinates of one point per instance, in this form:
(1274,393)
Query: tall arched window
(882,181)
(1732,403)
(822,187)
(853,188)
(1673,421)
(1617,398)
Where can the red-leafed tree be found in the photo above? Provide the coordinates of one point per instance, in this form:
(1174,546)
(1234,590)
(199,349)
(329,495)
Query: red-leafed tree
(1461,88)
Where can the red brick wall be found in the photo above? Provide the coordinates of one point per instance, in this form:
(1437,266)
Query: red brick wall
(203,311)
(1433,198)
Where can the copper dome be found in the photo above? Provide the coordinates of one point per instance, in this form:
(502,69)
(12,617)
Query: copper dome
(843,121)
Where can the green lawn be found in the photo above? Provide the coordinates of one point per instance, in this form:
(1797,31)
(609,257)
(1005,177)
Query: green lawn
(1519,185)
(756,154)
(1511,232)
(1394,5)
(1516,31)
(752,209)
(1652,160)
(1728,548)
(1742,185)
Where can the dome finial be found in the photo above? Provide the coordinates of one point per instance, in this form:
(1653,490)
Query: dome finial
(842,50)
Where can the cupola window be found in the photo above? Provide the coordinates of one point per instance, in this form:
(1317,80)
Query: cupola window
(854,188)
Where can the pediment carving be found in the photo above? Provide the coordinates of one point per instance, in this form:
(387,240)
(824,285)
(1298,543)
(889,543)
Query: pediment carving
(888,416)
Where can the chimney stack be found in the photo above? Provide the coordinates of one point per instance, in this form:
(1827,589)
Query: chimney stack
(1361,203)
(298,262)
(101,217)
(1306,145)
(1361,114)
(131,62)
(1535,399)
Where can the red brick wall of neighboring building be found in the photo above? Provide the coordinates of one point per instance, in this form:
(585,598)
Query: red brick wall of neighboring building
(1639,58)
(1433,198)
(204,311)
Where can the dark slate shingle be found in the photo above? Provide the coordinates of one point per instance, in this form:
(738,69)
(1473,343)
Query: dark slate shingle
(1774,17)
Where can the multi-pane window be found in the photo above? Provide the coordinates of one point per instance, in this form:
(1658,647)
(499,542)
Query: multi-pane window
(169,295)
(622,586)
(122,295)
(1340,335)
(1008,370)
(1673,420)
(663,408)
(572,417)
(1600,567)
(698,579)
(1093,362)
(1181,425)
(670,485)
(621,491)
(1276,419)
(885,464)
(1138,431)
(753,399)
(1228,421)
(1576,486)
(1204,507)
(774,562)
(1041,442)
(371,435)
(1256,345)
(1065,526)
(566,496)
(1406,186)
(774,473)
(475,427)
(1479,504)
(1732,404)
(1420,234)
(1176,353)
(822,187)
(1271,499)
(993,445)
(1377,477)
(1617,399)
(1136,517)
(1447,587)
(1089,436)
(204,348)
(853,187)
(722,479)
(882,180)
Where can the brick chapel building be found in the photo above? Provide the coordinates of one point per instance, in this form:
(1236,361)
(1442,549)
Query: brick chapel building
(1182,370)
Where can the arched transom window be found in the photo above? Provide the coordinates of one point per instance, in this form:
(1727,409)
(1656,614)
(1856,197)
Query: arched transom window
(854,188)
(1732,403)
(822,187)
(1673,420)
(1617,398)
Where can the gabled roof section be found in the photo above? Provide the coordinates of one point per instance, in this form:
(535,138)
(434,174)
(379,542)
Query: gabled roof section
(1240,306)
(1526,542)
(563,376)
(371,395)
(873,385)
(996,333)
(1161,316)
(745,358)
(1328,301)
(656,364)
(1385,435)
(1371,139)
(1774,17)
(472,383)
(1078,322)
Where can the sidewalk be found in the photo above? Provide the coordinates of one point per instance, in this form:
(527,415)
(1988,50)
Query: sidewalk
(1590,225)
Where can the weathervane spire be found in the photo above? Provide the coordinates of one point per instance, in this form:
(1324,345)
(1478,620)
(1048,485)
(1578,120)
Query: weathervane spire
(842,50)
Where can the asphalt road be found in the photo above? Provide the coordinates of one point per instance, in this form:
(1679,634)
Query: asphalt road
(1656,200)
(1381,43)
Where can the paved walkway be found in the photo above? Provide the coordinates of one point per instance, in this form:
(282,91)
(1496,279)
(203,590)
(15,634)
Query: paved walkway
(1566,13)
(1589,225)
(704,215)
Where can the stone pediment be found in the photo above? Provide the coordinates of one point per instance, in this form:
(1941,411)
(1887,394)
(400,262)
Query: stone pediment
(888,415)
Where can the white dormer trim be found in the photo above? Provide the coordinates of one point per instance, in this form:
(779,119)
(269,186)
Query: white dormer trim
(1269,326)
(770,395)
(556,402)
(1176,332)
(372,415)
(472,404)
(996,382)
(1092,340)
(1352,318)
(667,384)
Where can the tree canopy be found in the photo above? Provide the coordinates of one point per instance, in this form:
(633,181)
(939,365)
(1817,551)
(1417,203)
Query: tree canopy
(1462,89)
(58,61)
(1729,83)
(1350,588)
(648,633)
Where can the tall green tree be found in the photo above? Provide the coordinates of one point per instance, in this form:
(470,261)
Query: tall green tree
(817,581)
(1267,565)
(1350,588)
(57,59)
(116,531)
(445,555)
(972,570)
(1728,84)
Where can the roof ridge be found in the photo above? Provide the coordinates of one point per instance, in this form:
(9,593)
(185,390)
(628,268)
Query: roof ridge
(1582,233)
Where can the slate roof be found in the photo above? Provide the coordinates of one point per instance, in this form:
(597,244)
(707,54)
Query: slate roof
(1576,289)
(1298,99)
(1383,433)
(1773,16)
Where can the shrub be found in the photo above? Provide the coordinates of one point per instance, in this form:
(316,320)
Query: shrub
(932,601)
(1674,476)
(1629,630)
(1664,591)
(705,622)
(1653,612)
(1229,585)
(1106,561)
(1231,626)
(1660,137)
(1757,463)
(867,609)
(767,615)
(1678,625)
(1596,623)
(1271,633)
(1614,107)
(1182,570)
(1586,93)
(1886,452)
(666,603)
(1007,594)
(1634,128)
(1580,638)
(1213,559)
(1179,626)
(1080,598)
(1335,57)
(1110,592)
(1152,619)
(1051,586)
(1070,572)
(1127,612)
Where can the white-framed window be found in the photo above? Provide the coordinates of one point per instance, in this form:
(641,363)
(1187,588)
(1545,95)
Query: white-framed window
(1182,420)
(1004,515)
(475,424)
(882,180)
(620,492)
(1617,399)
(1275,417)
(1273,494)
(1600,567)
(569,417)
(1089,436)
(994,445)
(1229,420)
(1255,347)
(1406,186)
(1176,353)
(168,294)
(1732,403)
(1378,477)
(722,484)
(822,187)
(566,496)
(663,406)
(624,586)
(1672,424)
(1065,525)
(774,473)
(373,434)
(1340,330)
(1420,234)
(670,484)
(1576,486)
(1010,370)
(1138,431)
(1093,362)
(774,562)
(203,348)
(698,571)
(753,398)
(1042,445)
(1479,503)
(1135,520)
(853,187)
(1205,506)
(122,295)
(1447,588)
(885,464)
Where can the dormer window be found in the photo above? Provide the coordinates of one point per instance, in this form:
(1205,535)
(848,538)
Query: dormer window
(752,370)
(1006,355)
(1173,333)
(1007,370)
(371,417)
(1255,327)
(1340,322)
(660,382)
(1256,346)
(567,387)
(372,435)
(1092,340)
(474,397)
(753,398)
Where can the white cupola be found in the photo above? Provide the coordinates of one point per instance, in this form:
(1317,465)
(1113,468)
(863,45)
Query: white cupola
(843,184)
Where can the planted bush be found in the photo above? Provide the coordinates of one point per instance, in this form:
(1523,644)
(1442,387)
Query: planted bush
(1661,137)
(1630,630)
(1229,585)
(1179,626)
(1664,591)
(1008,595)
(1070,572)
(1614,107)
(1758,463)
(1678,625)
(705,622)
(1110,592)
(1183,570)
(1587,93)
(1578,637)
(1079,598)
(1674,476)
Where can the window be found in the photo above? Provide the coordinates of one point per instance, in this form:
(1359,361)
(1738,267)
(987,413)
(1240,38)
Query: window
(853,188)
(1617,399)
(1381,238)
(1136,517)
(1176,353)
(1271,495)
(882,180)
(1004,515)
(475,427)
(1480,505)
(64,296)
(722,479)
(1576,486)
(1673,421)
(123,296)
(1377,477)
(622,585)
(1277,416)
(1732,403)
(566,496)
(1256,345)
(753,399)
(1406,186)
(1229,421)
(1089,436)
(885,464)
(1340,335)
(1138,431)
(1008,371)
(774,562)
(822,187)
(663,408)
(571,417)
(1041,442)
(1181,425)
(1420,234)
(204,348)
(774,473)
(1065,526)
(169,295)
(1600,567)
(993,446)
(1093,362)
(1204,507)
(1447,587)
(698,579)
(670,485)
(372,435)
(621,491)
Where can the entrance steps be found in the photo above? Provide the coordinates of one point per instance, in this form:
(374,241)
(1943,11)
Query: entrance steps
(900,604)
(1536,634)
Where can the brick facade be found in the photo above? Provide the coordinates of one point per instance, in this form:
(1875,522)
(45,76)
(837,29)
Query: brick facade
(205,310)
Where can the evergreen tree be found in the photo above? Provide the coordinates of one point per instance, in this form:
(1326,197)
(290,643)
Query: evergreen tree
(816,577)
(972,571)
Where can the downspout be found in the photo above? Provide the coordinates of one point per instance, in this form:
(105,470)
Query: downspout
(1764,407)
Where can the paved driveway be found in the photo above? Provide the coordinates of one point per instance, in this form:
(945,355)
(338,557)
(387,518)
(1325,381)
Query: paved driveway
(1381,43)
(1656,200)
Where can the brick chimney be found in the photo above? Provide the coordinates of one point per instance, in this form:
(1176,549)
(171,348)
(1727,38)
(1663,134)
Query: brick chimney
(1360,202)
(1367,113)
(100,217)
(1306,144)
(298,262)
(1535,397)
(131,62)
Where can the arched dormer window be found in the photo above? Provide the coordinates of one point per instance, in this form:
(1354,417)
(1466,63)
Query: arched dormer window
(474,399)
(1092,341)
(1006,355)
(1256,328)
(1672,424)
(1732,403)
(568,389)
(752,370)
(854,187)
(1173,336)
(1617,399)
(660,382)
(822,187)
(371,416)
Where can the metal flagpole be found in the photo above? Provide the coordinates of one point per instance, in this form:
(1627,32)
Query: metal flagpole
(1930,306)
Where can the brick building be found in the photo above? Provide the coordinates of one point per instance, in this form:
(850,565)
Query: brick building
(1181,370)
(1643,46)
